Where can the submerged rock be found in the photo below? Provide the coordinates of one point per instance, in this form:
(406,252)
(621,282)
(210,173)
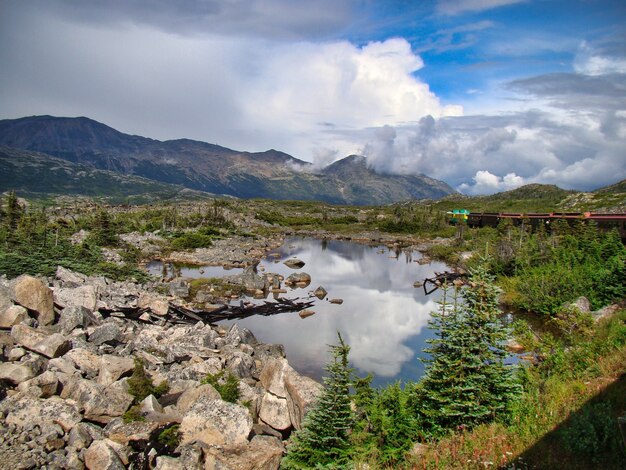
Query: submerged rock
(294,263)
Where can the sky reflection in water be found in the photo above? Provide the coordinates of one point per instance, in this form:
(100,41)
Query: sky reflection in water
(383,317)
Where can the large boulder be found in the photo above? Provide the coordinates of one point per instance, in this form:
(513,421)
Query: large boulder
(32,293)
(87,362)
(262,453)
(47,384)
(101,456)
(275,412)
(83,296)
(216,422)
(106,333)
(16,373)
(99,404)
(49,345)
(12,315)
(74,316)
(158,304)
(298,280)
(27,411)
(113,367)
(302,394)
(190,396)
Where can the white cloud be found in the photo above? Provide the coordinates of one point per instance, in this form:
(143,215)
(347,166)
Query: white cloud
(488,183)
(455,7)
(588,61)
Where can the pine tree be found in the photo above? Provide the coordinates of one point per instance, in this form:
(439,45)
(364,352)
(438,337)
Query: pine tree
(466,381)
(324,440)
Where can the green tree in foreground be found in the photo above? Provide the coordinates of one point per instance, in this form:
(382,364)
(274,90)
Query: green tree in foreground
(466,381)
(324,440)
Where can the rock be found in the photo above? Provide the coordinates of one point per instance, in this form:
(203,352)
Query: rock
(191,457)
(150,405)
(306,313)
(123,433)
(336,301)
(215,422)
(37,411)
(16,373)
(272,376)
(100,404)
(320,293)
(261,429)
(238,335)
(192,395)
(302,394)
(275,412)
(514,346)
(85,361)
(15,354)
(240,364)
(113,367)
(48,383)
(106,333)
(581,304)
(101,456)
(83,296)
(298,280)
(197,371)
(262,453)
(5,295)
(294,263)
(12,315)
(74,316)
(70,278)
(33,294)
(605,312)
(155,302)
(53,345)
(168,463)
(179,288)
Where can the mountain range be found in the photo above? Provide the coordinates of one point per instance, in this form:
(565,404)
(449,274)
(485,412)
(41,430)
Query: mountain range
(77,147)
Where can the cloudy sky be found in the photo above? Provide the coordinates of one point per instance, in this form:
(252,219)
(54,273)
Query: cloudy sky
(486,95)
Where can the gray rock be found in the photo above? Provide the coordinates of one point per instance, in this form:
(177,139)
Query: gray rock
(216,422)
(240,364)
(275,412)
(581,304)
(48,383)
(74,316)
(150,405)
(100,404)
(238,335)
(101,456)
(70,278)
(85,361)
(16,373)
(124,433)
(82,296)
(294,263)
(53,345)
(12,315)
(192,395)
(179,288)
(23,411)
(262,453)
(113,367)
(302,394)
(5,295)
(32,293)
(168,463)
(106,333)
(16,353)
(158,304)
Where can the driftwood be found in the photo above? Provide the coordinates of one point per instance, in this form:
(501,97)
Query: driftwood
(440,279)
(177,314)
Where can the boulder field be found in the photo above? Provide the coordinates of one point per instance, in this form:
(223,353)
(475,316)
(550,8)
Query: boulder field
(66,400)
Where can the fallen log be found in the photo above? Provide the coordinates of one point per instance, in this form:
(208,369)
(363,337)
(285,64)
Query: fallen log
(433,283)
(178,314)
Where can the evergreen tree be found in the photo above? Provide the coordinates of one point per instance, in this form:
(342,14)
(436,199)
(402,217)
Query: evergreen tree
(324,440)
(466,381)
(104,229)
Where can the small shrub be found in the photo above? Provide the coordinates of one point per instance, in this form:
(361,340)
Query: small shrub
(140,386)
(228,387)
(133,414)
(591,431)
(170,436)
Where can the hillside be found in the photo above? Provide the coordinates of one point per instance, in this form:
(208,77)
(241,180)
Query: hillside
(212,168)
(37,174)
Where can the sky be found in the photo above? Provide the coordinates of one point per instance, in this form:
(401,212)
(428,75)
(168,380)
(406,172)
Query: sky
(486,95)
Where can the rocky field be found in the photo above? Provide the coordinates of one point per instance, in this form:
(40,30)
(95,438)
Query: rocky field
(85,387)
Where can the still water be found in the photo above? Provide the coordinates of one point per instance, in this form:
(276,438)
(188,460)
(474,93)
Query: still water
(383,317)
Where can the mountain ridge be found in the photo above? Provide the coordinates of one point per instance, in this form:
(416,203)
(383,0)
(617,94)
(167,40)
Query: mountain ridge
(212,168)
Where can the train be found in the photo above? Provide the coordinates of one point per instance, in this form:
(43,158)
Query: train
(492,219)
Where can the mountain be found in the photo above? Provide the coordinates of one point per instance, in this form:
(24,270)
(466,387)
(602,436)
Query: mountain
(212,168)
(617,188)
(38,174)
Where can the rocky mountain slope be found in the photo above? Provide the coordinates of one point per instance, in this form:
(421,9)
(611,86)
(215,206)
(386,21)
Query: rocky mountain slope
(212,168)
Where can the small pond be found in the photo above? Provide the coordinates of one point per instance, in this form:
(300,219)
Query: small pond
(383,317)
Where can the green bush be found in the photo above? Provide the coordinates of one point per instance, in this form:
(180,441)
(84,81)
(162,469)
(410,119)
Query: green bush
(140,386)
(591,431)
(191,241)
(227,387)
